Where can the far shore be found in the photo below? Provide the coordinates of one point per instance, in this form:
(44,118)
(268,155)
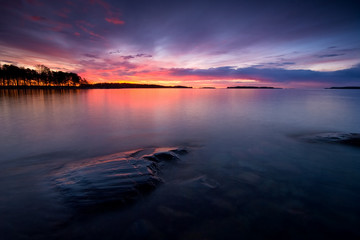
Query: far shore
(94,86)
(350,87)
(252,87)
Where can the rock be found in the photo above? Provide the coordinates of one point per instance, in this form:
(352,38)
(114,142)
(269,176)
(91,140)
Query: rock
(166,156)
(152,158)
(210,183)
(203,180)
(180,151)
(352,139)
(112,180)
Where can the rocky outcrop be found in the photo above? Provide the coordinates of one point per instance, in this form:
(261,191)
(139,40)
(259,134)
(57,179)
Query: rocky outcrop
(351,139)
(113,180)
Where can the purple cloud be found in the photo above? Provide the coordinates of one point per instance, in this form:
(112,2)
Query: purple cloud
(276,75)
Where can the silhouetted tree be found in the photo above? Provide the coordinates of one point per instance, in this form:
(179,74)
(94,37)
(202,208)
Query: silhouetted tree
(74,79)
(11,75)
(83,81)
(2,77)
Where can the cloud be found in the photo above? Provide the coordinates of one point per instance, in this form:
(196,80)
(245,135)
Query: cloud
(276,75)
(143,55)
(37,18)
(115,21)
(106,64)
(128,57)
(90,55)
(140,55)
(114,52)
(90,32)
(330,55)
(8,62)
(276,64)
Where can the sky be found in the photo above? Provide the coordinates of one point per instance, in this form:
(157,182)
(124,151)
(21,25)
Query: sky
(291,44)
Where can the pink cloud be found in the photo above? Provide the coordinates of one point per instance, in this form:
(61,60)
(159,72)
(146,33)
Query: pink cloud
(115,21)
(90,32)
(37,18)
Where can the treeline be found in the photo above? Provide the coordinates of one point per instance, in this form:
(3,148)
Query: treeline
(11,75)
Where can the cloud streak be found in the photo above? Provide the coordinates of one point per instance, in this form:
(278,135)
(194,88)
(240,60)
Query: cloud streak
(115,21)
(275,75)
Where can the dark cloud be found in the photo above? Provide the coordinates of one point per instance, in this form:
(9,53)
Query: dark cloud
(128,57)
(219,26)
(115,52)
(276,64)
(90,55)
(330,55)
(143,55)
(8,62)
(278,75)
(107,64)
(186,25)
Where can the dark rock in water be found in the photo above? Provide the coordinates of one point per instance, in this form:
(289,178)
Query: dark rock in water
(166,156)
(112,180)
(152,158)
(352,139)
(203,180)
(180,151)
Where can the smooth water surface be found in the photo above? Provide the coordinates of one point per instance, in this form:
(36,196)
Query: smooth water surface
(247,176)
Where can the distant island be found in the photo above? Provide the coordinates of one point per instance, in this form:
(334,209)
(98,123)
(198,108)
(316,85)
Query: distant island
(350,87)
(208,88)
(252,87)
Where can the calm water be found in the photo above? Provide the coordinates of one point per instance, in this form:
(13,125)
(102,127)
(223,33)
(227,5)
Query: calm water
(247,175)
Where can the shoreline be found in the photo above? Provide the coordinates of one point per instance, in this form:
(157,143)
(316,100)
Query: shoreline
(86,87)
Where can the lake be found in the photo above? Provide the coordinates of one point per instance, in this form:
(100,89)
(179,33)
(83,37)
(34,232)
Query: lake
(247,174)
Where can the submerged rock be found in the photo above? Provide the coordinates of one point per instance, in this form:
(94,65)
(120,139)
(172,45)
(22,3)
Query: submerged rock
(166,156)
(203,180)
(180,151)
(112,180)
(352,139)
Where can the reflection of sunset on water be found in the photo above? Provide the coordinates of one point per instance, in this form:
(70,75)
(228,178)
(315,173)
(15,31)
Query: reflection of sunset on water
(105,157)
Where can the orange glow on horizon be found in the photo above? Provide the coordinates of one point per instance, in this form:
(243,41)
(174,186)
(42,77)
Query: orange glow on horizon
(141,71)
(163,77)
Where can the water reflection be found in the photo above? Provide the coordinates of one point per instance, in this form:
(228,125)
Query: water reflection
(247,177)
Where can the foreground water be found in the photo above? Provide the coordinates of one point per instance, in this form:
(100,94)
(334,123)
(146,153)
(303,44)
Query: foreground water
(247,174)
